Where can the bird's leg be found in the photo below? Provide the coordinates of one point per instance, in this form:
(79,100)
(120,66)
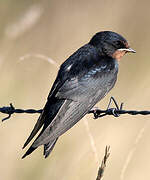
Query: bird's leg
(113,110)
(97,112)
(94,111)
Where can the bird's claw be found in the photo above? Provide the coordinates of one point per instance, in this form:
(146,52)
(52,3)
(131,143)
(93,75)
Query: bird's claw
(95,112)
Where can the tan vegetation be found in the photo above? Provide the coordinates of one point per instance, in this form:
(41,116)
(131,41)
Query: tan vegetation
(35,36)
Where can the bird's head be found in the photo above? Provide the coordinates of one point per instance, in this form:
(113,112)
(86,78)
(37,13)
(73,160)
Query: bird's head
(111,44)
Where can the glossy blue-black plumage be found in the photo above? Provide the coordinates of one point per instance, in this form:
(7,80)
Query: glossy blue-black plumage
(83,80)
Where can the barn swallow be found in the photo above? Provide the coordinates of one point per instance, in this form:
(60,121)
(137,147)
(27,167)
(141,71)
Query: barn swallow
(82,81)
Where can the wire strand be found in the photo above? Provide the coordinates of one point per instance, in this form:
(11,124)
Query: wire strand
(97,112)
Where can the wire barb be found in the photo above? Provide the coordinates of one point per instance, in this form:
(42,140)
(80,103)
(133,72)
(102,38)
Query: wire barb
(7,110)
(11,110)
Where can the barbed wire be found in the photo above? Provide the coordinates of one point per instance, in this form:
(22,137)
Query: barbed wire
(11,110)
(116,112)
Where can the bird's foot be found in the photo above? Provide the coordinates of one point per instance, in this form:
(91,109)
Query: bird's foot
(95,110)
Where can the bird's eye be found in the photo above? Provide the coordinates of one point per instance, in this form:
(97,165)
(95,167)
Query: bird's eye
(119,44)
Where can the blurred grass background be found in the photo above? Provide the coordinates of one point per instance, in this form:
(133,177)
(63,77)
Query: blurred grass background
(55,29)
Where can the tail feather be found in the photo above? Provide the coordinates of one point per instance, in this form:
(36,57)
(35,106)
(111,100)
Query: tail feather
(48,114)
(49,147)
(29,151)
(39,123)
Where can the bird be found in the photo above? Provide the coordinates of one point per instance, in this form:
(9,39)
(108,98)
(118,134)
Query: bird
(82,81)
